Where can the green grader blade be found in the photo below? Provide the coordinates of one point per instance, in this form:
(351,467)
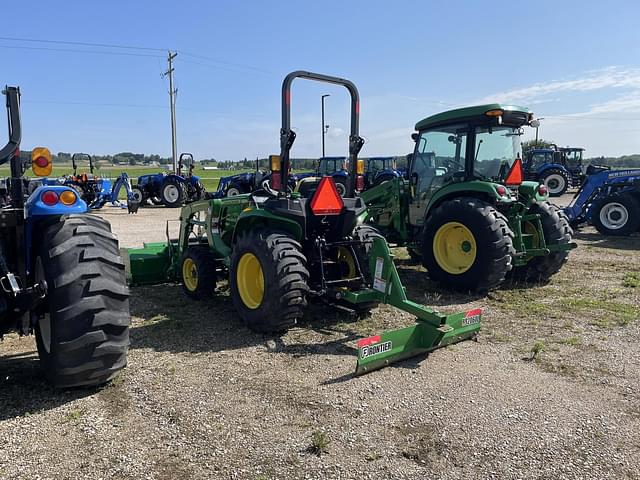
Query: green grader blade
(150,264)
(433,330)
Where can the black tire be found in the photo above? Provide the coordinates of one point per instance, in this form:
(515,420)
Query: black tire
(233,190)
(203,268)
(285,280)
(491,234)
(616,215)
(382,179)
(82,331)
(341,187)
(139,195)
(156,200)
(556,229)
(556,180)
(172,193)
(414,256)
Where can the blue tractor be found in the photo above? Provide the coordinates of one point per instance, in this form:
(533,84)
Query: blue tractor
(556,168)
(609,200)
(61,272)
(170,189)
(379,170)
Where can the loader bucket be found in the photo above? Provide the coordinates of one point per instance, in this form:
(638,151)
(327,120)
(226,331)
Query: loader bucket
(149,264)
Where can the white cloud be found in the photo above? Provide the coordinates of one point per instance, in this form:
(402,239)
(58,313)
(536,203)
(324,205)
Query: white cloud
(609,77)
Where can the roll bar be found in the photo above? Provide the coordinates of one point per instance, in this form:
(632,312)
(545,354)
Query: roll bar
(75,166)
(181,161)
(15,128)
(288,136)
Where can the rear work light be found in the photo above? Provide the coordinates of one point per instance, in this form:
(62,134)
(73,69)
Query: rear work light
(360,183)
(502,191)
(49,198)
(68,197)
(326,200)
(515,175)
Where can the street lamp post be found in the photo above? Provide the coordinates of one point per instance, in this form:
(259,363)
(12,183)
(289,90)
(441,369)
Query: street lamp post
(537,124)
(324,127)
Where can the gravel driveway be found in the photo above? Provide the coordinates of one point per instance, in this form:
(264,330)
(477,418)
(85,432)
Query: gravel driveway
(203,397)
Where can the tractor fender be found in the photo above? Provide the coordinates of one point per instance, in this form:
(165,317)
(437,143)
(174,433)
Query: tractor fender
(35,207)
(542,169)
(251,219)
(529,193)
(475,188)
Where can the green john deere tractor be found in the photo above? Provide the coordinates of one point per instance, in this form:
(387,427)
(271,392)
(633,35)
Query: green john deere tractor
(464,210)
(280,248)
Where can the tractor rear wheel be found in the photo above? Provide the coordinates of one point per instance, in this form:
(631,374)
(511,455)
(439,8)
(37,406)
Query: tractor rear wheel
(82,329)
(556,181)
(557,231)
(467,245)
(172,193)
(198,273)
(616,215)
(366,234)
(234,190)
(269,280)
(341,187)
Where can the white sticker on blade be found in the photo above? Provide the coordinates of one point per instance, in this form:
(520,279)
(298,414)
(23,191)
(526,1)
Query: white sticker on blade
(378,283)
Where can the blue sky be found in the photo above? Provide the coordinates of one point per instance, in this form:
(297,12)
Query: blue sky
(577,64)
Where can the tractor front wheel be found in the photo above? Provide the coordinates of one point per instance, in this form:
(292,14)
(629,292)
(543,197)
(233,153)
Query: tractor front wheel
(616,215)
(82,328)
(198,273)
(269,280)
(138,195)
(172,193)
(557,231)
(467,245)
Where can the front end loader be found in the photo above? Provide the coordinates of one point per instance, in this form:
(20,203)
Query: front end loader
(281,249)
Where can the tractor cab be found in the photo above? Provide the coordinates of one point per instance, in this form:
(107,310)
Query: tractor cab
(465,145)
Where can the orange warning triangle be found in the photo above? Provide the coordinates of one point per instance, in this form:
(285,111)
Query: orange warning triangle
(515,175)
(326,200)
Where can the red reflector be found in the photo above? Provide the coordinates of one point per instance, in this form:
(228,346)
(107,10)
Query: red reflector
(515,175)
(17,153)
(49,198)
(41,162)
(542,190)
(501,190)
(275,181)
(326,200)
(360,183)
(363,342)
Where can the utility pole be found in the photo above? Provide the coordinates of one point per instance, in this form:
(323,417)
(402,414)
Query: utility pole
(324,127)
(172,99)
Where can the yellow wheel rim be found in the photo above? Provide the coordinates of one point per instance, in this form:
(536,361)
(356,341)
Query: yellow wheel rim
(454,248)
(190,274)
(250,280)
(345,258)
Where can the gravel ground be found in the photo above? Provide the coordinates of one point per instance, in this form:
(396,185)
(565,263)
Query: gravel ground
(204,398)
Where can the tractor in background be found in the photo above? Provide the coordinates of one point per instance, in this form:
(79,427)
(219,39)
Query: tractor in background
(61,272)
(281,248)
(464,210)
(95,191)
(556,168)
(378,170)
(609,200)
(170,189)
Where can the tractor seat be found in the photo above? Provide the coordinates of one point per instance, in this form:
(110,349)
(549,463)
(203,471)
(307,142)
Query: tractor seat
(307,186)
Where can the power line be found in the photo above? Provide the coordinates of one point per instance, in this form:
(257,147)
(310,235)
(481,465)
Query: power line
(99,52)
(222,62)
(85,44)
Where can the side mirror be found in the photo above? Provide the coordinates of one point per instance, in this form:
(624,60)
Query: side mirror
(534,123)
(414,136)
(41,163)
